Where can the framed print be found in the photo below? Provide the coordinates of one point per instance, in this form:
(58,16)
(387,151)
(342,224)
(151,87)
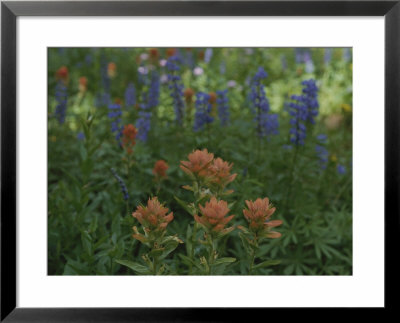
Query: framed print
(163,158)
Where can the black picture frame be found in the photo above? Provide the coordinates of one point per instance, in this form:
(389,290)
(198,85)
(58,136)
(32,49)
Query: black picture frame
(9,13)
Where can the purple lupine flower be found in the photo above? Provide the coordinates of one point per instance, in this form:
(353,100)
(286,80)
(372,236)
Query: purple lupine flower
(223,107)
(80,136)
(130,95)
(124,189)
(189,59)
(176,87)
(271,124)
(150,101)
(308,61)
(208,55)
(249,51)
(88,59)
(298,55)
(143,72)
(104,97)
(154,90)
(341,169)
(310,98)
(322,152)
(61,97)
(284,62)
(327,56)
(346,54)
(143,123)
(202,115)
(115,114)
(298,113)
(265,124)
(222,68)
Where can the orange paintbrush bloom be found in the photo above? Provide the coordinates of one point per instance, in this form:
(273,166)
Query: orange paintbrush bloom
(160,169)
(171,52)
(213,215)
(213,97)
(198,164)
(129,137)
(62,74)
(112,69)
(154,217)
(201,55)
(188,94)
(83,84)
(154,53)
(221,172)
(258,214)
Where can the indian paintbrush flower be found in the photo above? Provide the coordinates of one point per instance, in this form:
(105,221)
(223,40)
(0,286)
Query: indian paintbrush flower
(188,94)
(220,173)
(198,164)
(160,169)
(62,74)
(154,218)
(111,70)
(213,216)
(83,84)
(129,138)
(258,214)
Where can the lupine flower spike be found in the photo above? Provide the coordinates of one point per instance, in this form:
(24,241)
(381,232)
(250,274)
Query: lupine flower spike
(222,106)
(266,123)
(115,114)
(176,87)
(122,184)
(203,107)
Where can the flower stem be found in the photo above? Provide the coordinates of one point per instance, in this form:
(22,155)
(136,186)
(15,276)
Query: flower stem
(291,179)
(193,245)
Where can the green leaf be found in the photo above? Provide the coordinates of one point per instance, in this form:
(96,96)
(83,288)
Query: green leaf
(138,268)
(185,206)
(224,261)
(245,243)
(189,240)
(189,261)
(171,246)
(87,242)
(267,263)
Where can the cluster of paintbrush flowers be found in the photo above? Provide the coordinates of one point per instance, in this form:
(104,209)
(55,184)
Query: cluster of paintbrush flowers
(209,177)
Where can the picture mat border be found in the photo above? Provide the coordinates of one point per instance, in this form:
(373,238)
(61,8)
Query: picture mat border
(66,32)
